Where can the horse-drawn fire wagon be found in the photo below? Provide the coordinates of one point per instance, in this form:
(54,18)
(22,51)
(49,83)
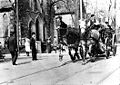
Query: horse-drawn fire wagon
(93,40)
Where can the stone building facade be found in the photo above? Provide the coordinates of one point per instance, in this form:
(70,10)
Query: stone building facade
(5,19)
(39,17)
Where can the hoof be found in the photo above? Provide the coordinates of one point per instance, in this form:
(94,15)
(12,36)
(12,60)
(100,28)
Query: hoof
(92,59)
(83,63)
(60,57)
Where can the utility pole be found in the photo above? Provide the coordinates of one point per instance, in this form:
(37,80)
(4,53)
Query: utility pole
(81,11)
(110,4)
(115,11)
(115,14)
(77,13)
(17,24)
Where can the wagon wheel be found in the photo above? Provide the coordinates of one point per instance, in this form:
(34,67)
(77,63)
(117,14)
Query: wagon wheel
(107,50)
(114,46)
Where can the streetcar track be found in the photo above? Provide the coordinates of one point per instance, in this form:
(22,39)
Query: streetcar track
(52,68)
(67,77)
(44,70)
(24,63)
(82,70)
(107,76)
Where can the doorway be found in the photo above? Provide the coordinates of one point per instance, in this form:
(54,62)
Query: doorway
(37,30)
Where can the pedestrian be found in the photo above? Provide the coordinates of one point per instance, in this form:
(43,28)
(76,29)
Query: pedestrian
(55,44)
(12,46)
(49,45)
(27,46)
(91,20)
(62,24)
(1,54)
(33,46)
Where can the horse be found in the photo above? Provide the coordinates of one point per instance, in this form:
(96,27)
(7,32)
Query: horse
(76,41)
(73,38)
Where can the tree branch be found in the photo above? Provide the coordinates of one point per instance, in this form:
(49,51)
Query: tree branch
(56,2)
(110,5)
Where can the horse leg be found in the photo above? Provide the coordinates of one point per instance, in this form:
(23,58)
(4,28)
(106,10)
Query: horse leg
(81,52)
(76,53)
(92,52)
(60,54)
(70,54)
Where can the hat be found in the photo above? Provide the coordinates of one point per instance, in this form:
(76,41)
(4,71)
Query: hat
(12,33)
(92,15)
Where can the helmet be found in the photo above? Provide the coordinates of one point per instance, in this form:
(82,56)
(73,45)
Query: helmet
(95,34)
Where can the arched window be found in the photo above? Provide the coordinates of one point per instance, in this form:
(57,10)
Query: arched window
(30,29)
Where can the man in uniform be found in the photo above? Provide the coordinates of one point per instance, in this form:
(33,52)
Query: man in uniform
(33,46)
(12,46)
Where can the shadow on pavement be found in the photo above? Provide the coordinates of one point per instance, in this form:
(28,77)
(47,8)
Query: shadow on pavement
(5,60)
(22,63)
(68,62)
(99,58)
(9,59)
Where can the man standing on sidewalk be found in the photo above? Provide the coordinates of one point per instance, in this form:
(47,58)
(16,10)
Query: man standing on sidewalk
(12,46)
(33,46)
(1,54)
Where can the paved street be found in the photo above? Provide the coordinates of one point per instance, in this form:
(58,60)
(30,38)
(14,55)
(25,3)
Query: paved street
(48,70)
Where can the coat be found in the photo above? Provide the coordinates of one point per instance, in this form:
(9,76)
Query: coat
(27,45)
(32,44)
(12,44)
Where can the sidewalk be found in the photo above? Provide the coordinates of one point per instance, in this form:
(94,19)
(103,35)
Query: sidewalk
(24,58)
(24,55)
(27,67)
